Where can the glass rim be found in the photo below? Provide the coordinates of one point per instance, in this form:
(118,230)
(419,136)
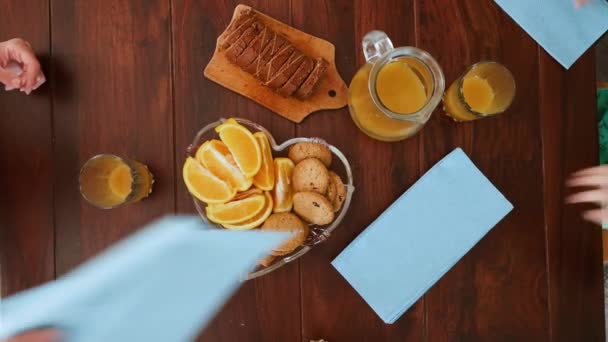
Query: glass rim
(461,95)
(99,156)
(424,113)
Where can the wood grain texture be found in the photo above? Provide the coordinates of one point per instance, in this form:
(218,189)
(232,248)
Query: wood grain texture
(382,171)
(497,292)
(605,245)
(125,78)
(112,94)
(26,166)
(574,247)
(229,75)
(265,309)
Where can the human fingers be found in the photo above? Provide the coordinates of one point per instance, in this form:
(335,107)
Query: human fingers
(597,216)
(598,180)
(21,52)
(41,335)
(591,196)
(601,169)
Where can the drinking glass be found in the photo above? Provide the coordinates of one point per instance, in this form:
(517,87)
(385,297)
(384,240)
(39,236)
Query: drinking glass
(108,181)
(485,89)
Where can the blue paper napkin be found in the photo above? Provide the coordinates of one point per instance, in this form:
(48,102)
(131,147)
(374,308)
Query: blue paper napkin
(422,235)
(162,284)
(564,31)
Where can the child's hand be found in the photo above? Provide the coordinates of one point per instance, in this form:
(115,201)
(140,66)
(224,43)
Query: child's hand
(19,67)
(596,180)
(580,3)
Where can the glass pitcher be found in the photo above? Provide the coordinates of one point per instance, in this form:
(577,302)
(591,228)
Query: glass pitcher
(394,94)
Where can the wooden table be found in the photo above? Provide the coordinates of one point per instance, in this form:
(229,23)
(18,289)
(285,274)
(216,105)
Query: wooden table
(125,77)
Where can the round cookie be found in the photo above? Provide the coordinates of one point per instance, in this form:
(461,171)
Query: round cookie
(266,261)
(310,175)
(287,222)
(313,207)
(331,189)
(338,190)
(303,150)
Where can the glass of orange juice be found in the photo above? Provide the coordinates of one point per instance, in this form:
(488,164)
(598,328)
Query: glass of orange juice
(394,93)
(485,89)
(108,181)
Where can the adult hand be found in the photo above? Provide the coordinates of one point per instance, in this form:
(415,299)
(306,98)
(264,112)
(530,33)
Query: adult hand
(580,3)
(595,179)
(42,335)
(19,67)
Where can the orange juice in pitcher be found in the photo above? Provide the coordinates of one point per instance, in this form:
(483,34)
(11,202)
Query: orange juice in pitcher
(393,95)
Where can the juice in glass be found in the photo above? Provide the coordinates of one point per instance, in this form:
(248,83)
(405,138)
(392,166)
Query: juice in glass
(108,181)
(486,89)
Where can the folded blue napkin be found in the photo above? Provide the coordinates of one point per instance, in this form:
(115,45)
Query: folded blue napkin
(564,31)
(162,284)
(422,235)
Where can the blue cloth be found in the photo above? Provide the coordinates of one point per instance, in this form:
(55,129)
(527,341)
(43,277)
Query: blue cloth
(564,31)
(422,235)
(162,284)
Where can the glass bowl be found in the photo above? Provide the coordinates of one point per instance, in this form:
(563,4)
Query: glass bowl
(318,234)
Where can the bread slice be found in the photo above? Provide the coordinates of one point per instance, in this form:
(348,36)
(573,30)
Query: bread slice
(236,29)
(307,87)
(255,47)
(271,50)
(296,80)
(265,47)
(243,16)
(276,62)
(237,48)
(288,69)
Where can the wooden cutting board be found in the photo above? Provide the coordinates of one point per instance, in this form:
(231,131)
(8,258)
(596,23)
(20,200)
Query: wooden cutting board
(330,93)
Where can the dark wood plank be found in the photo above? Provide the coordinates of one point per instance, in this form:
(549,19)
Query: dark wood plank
(605,245)
(498,291)
(574,248)
(536,276)
(26,166)
(112,94)
(266,309)
(382,171)
(601,53)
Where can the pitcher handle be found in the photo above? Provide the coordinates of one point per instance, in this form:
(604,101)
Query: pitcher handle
(376,44)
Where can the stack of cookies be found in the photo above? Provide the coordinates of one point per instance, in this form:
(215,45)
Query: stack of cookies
(316,195)
(318,191)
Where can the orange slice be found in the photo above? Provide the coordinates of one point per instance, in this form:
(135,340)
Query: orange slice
(264,179)
(283,191)
(204,185)
(247,193)
(242,146)
(216,145)
(236,211)
(257,220)
(215,156)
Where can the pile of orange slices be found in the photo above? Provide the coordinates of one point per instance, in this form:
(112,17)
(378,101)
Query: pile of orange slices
(238,178)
